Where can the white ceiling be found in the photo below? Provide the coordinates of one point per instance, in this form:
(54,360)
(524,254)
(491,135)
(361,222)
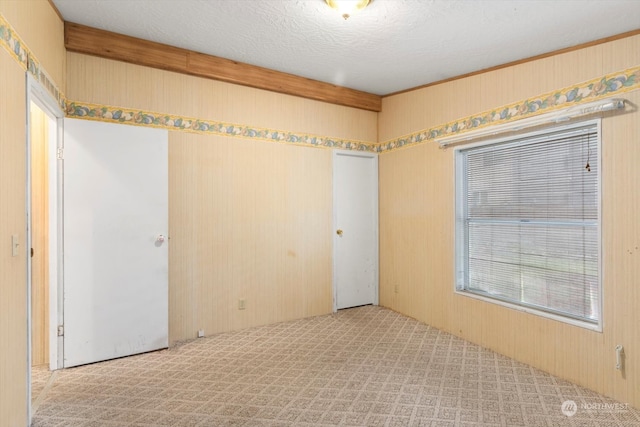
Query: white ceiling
(390,46)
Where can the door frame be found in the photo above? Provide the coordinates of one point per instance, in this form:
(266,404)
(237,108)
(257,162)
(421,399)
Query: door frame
(37,94)
(374,158)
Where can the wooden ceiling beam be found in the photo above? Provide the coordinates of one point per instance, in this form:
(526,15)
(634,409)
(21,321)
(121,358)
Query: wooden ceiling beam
(106,44)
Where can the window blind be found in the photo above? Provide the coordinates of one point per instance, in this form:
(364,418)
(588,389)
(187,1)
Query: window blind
(530,222)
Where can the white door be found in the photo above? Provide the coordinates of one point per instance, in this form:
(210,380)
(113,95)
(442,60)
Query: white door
(355,201)
(115,249)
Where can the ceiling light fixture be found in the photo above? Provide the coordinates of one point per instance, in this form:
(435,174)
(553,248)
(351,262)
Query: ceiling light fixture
(346,8)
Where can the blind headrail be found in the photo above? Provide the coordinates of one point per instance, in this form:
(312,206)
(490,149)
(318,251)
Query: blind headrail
(558,116)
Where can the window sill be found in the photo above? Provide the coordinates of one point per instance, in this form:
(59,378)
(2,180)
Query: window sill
(574,322)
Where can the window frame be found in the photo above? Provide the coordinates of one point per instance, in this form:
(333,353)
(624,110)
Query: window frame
(461,239)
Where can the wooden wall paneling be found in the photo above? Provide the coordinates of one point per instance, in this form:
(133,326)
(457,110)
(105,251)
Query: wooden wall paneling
(214,256)
(248,220)
(412,255)
(243,223)
(39,237)
(13,279)
(308,247)
(417,212)
(272,235)
(180,298)
(92,41)
(621,240)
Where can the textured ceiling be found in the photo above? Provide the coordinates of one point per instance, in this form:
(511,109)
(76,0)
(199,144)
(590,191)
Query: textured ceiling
(391,46)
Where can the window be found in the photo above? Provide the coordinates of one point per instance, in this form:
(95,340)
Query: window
(528,222)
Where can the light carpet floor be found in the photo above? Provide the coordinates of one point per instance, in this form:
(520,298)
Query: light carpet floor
(366,366)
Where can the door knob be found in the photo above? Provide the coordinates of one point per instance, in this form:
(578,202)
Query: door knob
(160,240)
(339,232)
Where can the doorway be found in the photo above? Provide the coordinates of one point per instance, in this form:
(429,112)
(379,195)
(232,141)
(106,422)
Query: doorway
(44,125)
(39,131)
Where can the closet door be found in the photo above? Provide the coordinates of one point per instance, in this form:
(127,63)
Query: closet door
(355,202)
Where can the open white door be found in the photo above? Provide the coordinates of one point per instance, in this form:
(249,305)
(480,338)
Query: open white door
(115,249)
(355,201)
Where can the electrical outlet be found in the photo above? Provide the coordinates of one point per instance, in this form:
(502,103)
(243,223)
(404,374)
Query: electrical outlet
(242,304)
(201,333)
(396,288)
(619,357)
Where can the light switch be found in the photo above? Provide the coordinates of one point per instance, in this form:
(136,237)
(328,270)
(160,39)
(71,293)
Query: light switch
(14,245)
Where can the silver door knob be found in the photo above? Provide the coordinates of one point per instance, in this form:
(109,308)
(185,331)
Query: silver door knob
(160,239)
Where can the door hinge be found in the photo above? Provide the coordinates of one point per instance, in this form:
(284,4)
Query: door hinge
(59,153)
(60,330)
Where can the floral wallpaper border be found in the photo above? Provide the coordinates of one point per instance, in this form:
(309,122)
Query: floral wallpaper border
(606,86)
(611,84)
(13,44)
(190,124)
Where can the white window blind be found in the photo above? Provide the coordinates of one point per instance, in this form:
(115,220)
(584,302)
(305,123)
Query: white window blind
(528,222)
